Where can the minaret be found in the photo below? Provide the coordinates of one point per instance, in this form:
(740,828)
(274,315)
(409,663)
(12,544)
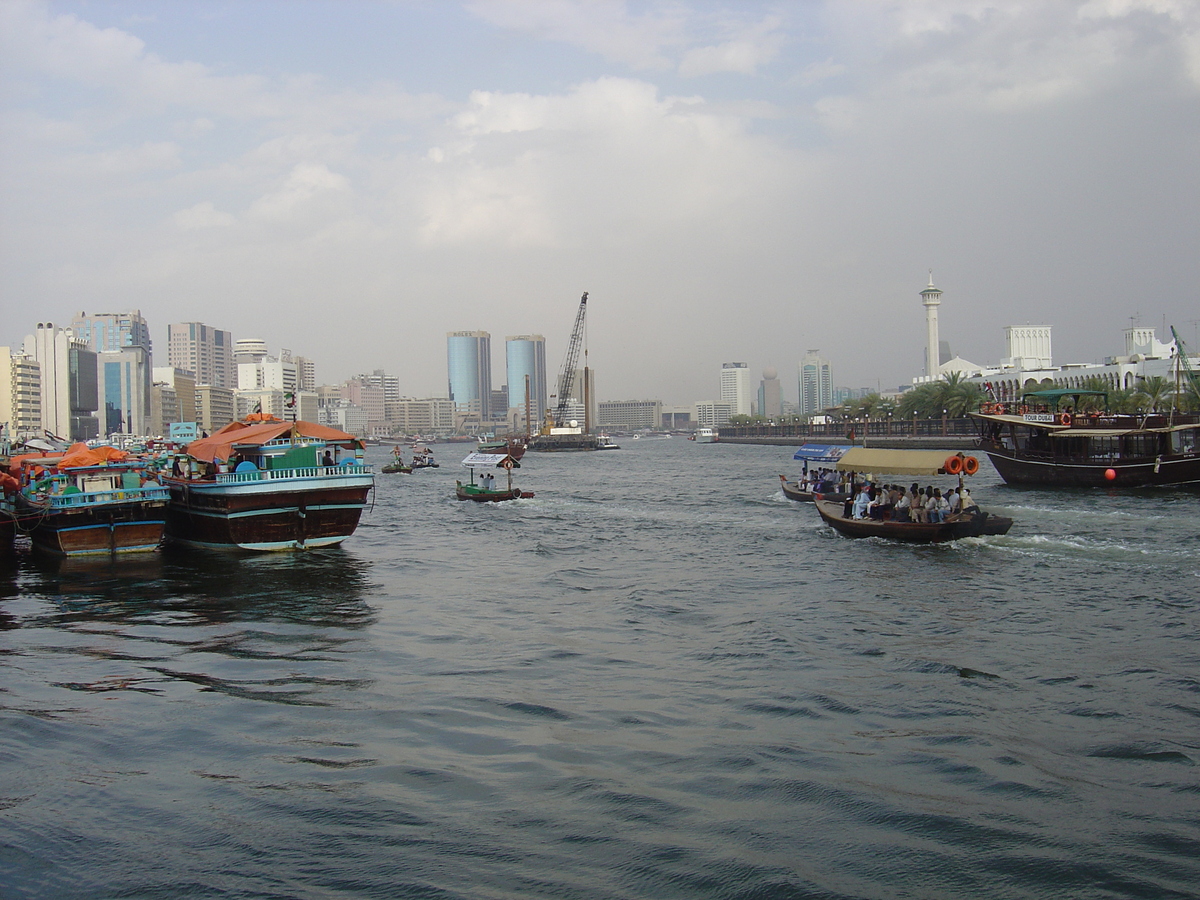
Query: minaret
(932,298)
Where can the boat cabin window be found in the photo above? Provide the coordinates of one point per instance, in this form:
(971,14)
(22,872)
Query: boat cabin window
(1106,448)
(1141,445)
(1184,441)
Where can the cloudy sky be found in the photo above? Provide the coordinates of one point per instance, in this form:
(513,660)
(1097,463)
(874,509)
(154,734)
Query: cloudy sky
(729,180)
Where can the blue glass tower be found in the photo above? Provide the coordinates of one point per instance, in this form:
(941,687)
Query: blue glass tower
(469,366)
(525,354)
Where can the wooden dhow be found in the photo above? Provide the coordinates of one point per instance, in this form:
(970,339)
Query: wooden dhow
(88,501)
(267,484)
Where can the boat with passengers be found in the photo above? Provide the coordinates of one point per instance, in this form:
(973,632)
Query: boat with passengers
(1065,437)
(268,484)
(970,522)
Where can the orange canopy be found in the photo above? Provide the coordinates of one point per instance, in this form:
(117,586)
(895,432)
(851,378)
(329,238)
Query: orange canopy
(219,445)
(78,456)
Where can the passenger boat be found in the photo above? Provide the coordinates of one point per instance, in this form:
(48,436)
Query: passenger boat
(89,501)
(266,484)
(793,491)
(1088,449)
(906,463)
(605,442)
(484,493)
(705,435)
(423,458)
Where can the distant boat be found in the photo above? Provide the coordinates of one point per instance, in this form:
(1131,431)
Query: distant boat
(294,486)
(89,501)
(605,442)
(514,445)
(705,436)
(484,492)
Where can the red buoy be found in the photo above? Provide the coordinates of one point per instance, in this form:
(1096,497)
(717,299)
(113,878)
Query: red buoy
(1110,474)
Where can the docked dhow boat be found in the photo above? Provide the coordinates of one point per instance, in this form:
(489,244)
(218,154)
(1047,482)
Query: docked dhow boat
(1059,445)
(267,484)
(972,522)
(88,501)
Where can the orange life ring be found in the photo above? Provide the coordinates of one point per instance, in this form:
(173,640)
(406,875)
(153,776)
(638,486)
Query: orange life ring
(970,465)
(1065,418)
(953,465)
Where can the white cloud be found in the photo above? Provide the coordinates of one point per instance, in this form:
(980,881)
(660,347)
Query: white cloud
(309,190)
(202,215)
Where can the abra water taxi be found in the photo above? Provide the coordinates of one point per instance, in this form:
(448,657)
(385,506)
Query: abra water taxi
(485,492)
(1063,446)
(266,484)
(968,523)
(89,501)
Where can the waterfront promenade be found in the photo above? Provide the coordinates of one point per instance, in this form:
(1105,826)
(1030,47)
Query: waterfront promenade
(949,434)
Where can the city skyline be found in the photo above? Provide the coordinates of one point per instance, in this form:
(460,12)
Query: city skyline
(728,180)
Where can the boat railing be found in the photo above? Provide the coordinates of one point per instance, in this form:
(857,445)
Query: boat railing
(102,498)
(286,474)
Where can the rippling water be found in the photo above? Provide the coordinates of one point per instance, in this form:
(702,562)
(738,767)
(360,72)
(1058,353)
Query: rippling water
(658,678)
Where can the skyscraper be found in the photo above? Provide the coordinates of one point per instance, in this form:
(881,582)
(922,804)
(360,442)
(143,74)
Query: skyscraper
(469,367)
(124,368)
(816,384)
(68,375)
(736,388)
(770,393)
(525,355)
(204,351)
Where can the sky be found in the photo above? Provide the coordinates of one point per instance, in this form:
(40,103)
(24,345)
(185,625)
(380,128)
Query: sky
(729,181)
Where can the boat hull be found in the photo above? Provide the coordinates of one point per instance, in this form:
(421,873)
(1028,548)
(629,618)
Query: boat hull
(792,491)
(479,495)
(563,443)
(912,532)
(268,510)
(1130,473)
(98,529)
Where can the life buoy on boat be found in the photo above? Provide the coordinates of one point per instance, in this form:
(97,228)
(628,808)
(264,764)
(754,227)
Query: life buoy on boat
(953,465)
(1065,418)
(970,465)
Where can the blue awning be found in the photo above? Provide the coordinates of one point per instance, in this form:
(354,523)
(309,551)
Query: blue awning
(822,454)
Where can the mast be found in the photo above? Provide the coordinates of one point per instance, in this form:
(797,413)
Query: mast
(528,427)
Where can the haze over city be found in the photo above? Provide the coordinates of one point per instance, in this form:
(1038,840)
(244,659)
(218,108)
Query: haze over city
(728,181)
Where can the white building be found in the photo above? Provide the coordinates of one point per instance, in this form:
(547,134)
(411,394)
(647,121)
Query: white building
(737,389)
(712,415)
(20,394)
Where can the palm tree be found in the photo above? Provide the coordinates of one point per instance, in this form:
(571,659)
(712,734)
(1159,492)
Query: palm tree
(1156,390)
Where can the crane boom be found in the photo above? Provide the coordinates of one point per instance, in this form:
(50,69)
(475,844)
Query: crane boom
(566,377)
(1182,357)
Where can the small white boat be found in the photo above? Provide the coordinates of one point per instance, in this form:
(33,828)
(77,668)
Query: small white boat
(705,435)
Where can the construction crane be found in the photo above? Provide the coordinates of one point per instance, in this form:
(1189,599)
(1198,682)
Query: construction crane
(1181,358)
(566,377)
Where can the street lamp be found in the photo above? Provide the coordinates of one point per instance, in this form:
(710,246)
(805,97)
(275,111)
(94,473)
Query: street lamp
(945,413)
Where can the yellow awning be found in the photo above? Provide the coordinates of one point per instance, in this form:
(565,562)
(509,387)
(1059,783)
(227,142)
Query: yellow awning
(894,462)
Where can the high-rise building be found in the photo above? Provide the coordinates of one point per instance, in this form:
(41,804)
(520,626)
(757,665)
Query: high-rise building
(525,357)
(249,350)
(631,415)
(736,388)
(770,393)
(182,384)
(816,384)
(204,351)
(469,366)
(215,407)
(69,389)
(20,394)
(122,345)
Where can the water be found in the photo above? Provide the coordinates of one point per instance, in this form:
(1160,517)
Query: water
(656,679)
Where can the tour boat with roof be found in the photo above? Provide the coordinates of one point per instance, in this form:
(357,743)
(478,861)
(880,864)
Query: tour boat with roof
(268,484)
(88,501)
(1046,441)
